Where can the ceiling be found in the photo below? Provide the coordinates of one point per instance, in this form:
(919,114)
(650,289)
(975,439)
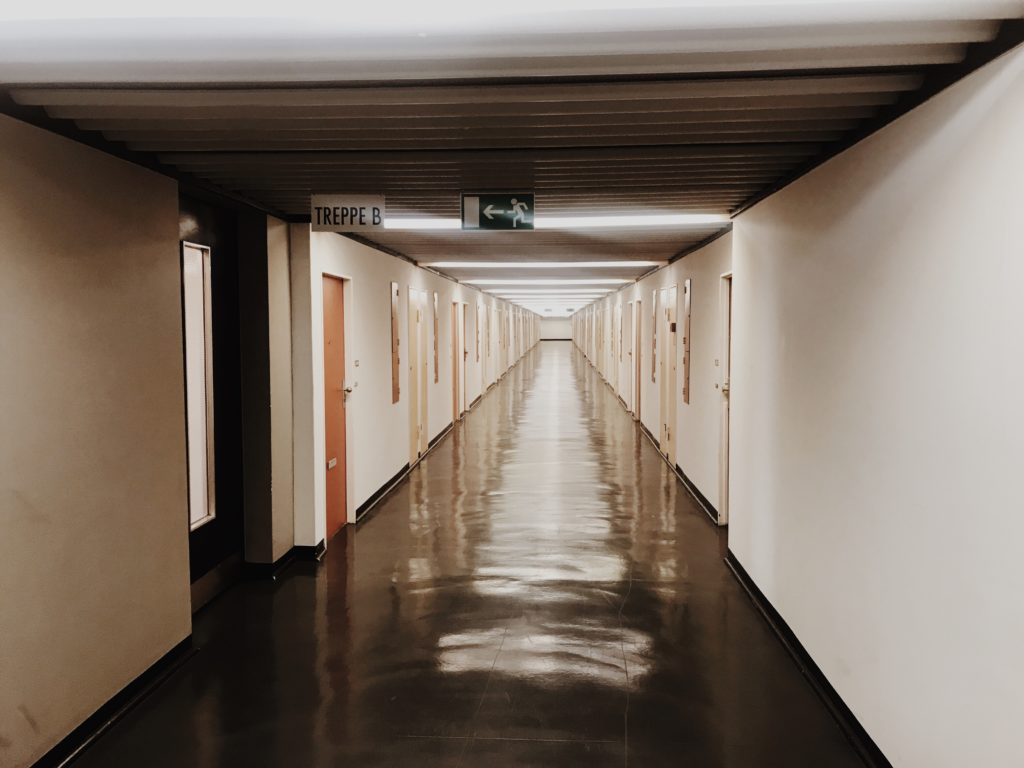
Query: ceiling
(697,108)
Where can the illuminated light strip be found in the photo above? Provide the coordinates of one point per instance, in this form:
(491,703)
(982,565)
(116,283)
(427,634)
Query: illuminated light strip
(579,222)
(566,291)
(540,264)
(634,220)
(553,294)
(568,281)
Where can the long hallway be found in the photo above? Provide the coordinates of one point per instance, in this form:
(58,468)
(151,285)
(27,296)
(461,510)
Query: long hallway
(540,591)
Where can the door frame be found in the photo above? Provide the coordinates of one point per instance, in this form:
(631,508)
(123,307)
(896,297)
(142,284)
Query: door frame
(206,266)
(668,299)
(724,386)
(419,373)
(464,360)
(453,348)
(638,369)
(346,288)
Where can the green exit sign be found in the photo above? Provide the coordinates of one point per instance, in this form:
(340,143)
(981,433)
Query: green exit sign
(498,210)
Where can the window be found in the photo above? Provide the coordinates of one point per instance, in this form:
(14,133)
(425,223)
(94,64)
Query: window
(195,283)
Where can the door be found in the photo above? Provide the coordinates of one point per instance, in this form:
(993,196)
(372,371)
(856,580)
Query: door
(668,373)
(726,366)
(334,402)
(464,360)
(455,347)
(481,312)
(617,347)
(418,371)
(627,342)
(637,357)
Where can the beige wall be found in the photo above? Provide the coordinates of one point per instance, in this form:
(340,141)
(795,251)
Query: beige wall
(280,341)
(878,425)
(93,516)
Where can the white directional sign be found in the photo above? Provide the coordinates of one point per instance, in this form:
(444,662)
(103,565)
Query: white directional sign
(498,210)
(347,213)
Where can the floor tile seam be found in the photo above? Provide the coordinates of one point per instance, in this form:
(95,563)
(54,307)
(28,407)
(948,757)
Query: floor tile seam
(483,697)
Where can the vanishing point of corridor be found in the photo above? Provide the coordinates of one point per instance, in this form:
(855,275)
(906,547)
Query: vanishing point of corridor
(540,591)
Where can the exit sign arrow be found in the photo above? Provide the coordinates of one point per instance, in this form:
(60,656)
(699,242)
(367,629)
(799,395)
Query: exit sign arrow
(498,210)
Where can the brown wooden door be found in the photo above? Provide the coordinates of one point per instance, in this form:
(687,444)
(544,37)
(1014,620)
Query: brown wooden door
(334,402)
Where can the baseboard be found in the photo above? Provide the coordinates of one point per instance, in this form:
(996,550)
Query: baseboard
(274,570)
(216,582)
(473,404)
(651,437)
(556,339)
(310,553)
(440,435)
(852,729)
(76,742)
(699,497)
(380,493)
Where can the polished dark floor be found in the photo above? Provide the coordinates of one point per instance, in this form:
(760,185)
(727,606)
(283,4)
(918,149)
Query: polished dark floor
(540,592)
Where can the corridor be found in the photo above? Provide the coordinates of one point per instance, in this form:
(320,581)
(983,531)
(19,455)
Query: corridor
(540,591)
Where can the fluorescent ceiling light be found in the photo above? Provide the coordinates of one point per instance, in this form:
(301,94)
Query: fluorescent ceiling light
(431,223)
(578,222)
(540,264)
(560,291)
(529,281)
(555,300)
(633,220)
(548,297)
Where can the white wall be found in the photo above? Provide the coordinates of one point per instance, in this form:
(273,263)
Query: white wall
(378,430)
(698,423)
(878,428)
(555,328)
(93,509)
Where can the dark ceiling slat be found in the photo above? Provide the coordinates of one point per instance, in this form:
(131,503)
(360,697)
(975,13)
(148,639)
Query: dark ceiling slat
(752,85)
(638,170)
(568,141)
(596,106)
(502,178)
(453,122)
(622,131)
(536,155)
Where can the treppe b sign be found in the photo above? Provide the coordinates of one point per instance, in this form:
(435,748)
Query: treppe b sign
(347,213)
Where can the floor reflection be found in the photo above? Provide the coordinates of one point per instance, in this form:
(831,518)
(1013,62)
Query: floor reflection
(541,592)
